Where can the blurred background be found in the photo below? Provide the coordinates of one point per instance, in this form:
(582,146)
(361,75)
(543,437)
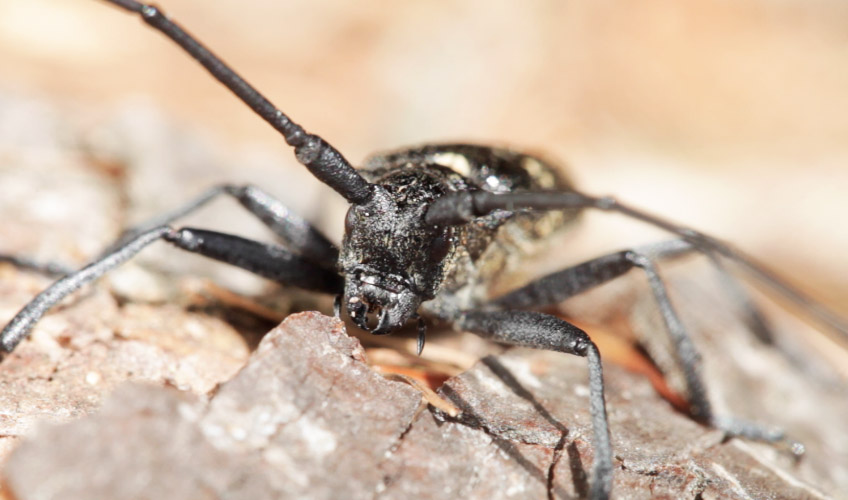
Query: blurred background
(729,116)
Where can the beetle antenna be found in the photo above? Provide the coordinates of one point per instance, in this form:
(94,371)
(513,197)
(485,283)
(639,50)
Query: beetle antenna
(459,208)
(323,160)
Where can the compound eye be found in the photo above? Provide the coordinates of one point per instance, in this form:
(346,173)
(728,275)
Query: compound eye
(350,220)
(440,247)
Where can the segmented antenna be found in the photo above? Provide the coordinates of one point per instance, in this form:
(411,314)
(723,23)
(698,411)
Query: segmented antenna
(460,208)
(323,160)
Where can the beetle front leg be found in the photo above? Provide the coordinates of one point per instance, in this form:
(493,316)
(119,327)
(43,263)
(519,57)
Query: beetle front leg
(543,331)
(267,260)
(295,231)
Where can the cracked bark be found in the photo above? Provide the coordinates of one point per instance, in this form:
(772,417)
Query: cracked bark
(557,455)
(306,418)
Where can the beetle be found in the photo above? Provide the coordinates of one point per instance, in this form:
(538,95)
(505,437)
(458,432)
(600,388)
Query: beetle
(427,228)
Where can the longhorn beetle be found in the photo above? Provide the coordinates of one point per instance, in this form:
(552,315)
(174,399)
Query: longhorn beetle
(426,230)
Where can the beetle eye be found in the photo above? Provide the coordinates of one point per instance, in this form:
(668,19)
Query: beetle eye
(440,246)
(350,220)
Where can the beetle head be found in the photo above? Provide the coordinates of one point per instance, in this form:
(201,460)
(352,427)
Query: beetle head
(392,260)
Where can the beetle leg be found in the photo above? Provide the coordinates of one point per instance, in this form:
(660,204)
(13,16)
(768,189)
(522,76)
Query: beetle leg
(268,260)
(566,283)
(295,232)
(543,331)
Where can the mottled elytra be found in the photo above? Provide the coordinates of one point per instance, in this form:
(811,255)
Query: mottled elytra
(427,230)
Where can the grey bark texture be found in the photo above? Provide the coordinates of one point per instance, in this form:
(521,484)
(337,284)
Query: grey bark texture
(307,418)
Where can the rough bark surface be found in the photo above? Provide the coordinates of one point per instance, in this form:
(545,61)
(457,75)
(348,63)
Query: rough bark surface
(307,418)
